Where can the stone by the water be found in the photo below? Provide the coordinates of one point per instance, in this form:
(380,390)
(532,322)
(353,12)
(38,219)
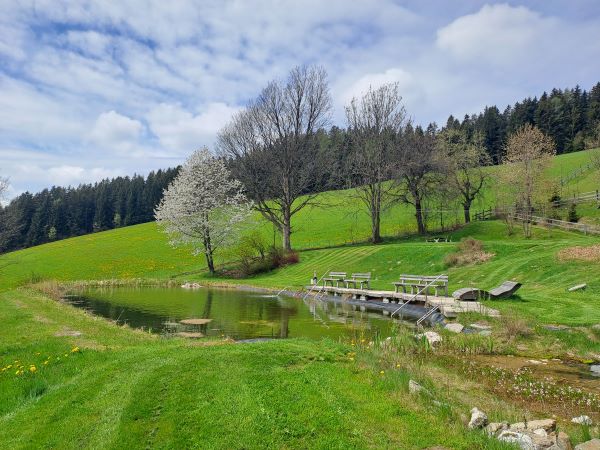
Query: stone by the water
(478,419)
(595,368)
(454,327)
(594,444)
(189,335)
(195,321)
(582,420)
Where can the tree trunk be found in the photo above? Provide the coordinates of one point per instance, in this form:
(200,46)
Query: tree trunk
(209,262)
(375,227)
(376,214)
(287,230)
(467,210)
(419,216)
(208,252)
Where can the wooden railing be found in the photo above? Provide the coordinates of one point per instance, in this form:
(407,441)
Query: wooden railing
(555,223)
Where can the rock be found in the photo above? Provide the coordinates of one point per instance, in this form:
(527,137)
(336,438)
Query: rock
(540,432)
(595,370)
(414,387)
(431,336)
(494,427)
(534,362)
(582,420)
(594,444)
(556,327)
(521,439)
(541,442)
(195,321)
(454,327)
(544,424)
(577,287)
(478,419)
(563,441)
(191,286)
(519,426)
(480,326)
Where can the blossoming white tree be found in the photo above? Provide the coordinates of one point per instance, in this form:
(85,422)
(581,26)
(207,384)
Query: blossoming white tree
(203,207)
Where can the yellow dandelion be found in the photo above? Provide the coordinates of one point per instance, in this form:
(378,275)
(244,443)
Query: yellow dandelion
(9,366)
(351,359)
(397,365)
(46,363)
(382,372)
(75,350)
(32,369)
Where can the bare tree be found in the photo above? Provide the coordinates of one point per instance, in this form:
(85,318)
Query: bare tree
(528,152)
(203,206)
(273,147)
(419,169)
(374,123)
(465,160)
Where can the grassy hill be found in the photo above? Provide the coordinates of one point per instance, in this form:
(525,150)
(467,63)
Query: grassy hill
(91,388)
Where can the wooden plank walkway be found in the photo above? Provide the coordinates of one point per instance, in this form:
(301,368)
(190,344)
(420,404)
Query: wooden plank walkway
(448,306)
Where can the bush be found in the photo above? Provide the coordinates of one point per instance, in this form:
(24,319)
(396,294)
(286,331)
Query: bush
(255,256)
(470,251)
(572,215)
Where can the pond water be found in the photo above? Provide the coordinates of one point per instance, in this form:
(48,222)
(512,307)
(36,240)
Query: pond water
(235,313)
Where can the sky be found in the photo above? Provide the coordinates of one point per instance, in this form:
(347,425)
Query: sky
(96,89)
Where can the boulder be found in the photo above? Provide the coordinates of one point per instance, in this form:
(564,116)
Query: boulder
(582,420)
(494,427)
(595,370)
(414,387)
(563,441)
(594,444)
(454,327)
(523,440)
(478,419)
(544,424)
(519,426)
(431,336)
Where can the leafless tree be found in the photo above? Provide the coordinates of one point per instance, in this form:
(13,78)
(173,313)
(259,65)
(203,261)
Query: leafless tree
(374,122)
(528,152)
(465,160)
(273,147)
(3,187)
(419,170)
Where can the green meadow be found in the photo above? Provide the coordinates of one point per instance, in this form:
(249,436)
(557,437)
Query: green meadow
(86,382)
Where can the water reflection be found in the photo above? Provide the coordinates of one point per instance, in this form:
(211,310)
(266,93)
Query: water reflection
(233,313)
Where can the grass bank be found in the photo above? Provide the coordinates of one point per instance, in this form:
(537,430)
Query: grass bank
(110,387)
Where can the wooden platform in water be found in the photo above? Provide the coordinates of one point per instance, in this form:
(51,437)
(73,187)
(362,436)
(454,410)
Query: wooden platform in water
(448,306)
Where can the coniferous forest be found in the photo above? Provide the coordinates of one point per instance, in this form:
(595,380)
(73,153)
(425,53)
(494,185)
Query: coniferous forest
(59,213)
(571,117)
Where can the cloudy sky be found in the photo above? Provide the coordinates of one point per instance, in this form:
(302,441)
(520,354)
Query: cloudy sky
(97,89)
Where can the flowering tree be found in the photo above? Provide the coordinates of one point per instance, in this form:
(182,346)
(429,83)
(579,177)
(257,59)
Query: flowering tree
(203,207)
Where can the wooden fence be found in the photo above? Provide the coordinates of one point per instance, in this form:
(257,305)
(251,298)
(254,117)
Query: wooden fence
(562,224)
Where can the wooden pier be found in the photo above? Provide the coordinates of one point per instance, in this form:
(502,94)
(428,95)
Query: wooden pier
(448,306)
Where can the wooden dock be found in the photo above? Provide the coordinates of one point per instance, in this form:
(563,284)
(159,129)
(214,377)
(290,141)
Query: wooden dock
(448,306)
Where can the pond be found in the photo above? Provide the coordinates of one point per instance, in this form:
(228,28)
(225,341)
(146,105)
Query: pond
(234,313)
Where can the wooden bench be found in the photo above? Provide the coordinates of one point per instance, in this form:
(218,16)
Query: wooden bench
(334,277)
(422,284)
(359,279)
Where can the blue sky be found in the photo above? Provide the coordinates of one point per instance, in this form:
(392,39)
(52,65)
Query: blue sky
(92,89)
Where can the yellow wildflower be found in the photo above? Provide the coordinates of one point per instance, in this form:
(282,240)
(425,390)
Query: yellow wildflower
(32,369)
(75,350)
(46,363)
(351,359)
(382,372)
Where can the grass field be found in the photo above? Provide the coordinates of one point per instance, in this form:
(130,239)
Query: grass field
(125,388)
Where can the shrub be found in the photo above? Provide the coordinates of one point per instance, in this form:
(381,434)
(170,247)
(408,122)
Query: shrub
(255,256)
(470,251)
(514,327)
(572,215)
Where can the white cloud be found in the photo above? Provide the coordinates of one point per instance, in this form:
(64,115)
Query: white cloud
(181,131)
(113,131)
(497,34)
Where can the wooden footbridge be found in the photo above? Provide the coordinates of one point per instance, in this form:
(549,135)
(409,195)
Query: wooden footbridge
(332,287)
